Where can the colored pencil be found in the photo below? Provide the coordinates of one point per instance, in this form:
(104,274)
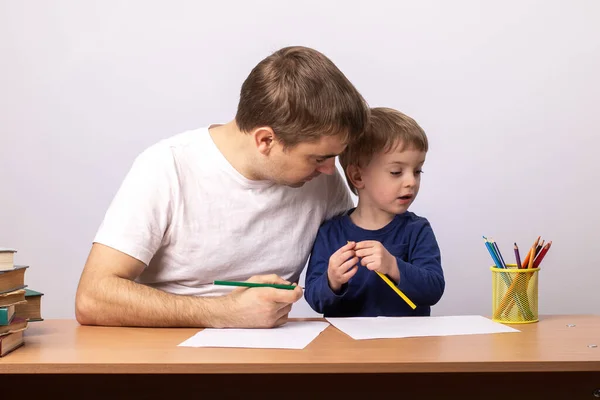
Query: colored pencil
(395,289)
(538,248)
(497,249)
(252,284)
(531,257)
(492,253)
(540,257)
(517,256)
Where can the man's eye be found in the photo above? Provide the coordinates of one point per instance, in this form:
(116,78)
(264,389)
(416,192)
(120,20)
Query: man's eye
(320,160)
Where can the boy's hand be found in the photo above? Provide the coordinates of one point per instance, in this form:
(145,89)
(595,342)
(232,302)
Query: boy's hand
(342,266)
(375,257)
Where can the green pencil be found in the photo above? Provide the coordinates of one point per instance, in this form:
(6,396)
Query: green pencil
(252,284)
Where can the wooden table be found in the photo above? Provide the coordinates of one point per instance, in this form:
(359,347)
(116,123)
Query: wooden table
(548,360)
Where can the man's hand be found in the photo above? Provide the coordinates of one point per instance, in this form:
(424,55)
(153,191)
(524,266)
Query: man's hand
(260,307)
(342,266)
(375,257)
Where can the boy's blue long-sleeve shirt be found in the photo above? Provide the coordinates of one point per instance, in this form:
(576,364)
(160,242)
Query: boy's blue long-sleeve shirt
(409,238)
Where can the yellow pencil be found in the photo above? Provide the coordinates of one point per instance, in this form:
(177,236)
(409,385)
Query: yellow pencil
(391,284)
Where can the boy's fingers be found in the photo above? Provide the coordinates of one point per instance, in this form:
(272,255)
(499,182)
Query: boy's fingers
(366,260)
(364,252)
(346,247)
(348,265)
(350,273)
(365,244)
(342,257)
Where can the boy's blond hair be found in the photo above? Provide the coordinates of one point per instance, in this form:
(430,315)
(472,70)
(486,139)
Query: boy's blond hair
(301,95)
(387,129)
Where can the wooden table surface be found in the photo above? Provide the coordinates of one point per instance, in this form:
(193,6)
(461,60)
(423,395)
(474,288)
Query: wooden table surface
(63,346)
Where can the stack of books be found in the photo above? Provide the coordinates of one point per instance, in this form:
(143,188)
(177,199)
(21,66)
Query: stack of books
(19,305)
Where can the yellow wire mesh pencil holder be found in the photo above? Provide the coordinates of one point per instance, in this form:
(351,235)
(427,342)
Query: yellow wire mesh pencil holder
(514,295)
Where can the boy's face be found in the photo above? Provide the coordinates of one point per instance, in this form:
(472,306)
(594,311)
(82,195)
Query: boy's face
(297,165)
(391,180)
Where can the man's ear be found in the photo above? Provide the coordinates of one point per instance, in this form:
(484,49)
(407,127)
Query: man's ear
(355,175)
(264,139)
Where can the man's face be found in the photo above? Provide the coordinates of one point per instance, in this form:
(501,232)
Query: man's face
(297,165)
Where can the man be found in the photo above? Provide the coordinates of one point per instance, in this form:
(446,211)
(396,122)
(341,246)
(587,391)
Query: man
(237,201)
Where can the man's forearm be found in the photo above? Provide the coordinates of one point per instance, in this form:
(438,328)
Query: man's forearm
(117,301)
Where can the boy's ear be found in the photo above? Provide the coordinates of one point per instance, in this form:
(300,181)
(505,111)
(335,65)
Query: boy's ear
(264,139)
(355,176)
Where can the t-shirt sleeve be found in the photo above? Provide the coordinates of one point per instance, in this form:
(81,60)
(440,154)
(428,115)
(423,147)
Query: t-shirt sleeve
(339,199)
(139,214)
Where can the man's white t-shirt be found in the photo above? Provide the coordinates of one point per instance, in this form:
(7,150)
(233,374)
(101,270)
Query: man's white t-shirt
(188,215)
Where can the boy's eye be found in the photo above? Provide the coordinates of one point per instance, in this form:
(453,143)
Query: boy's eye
(395,173)
(320,160)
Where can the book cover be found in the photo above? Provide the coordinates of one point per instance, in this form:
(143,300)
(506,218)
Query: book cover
(32,309)
(13,279)
(6,315)
(7,258)
(11,342)
(17,324)
(14,297)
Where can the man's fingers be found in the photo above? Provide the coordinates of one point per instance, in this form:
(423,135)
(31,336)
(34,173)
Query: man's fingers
(281,321)
(283,311)
(283,295)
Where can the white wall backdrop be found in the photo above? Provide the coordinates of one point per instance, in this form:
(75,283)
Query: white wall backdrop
(508,92)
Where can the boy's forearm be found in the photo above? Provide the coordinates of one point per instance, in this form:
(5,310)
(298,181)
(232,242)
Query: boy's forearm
(116,301)
(394,273)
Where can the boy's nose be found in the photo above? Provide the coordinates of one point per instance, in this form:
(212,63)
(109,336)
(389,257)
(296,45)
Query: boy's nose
(410,181)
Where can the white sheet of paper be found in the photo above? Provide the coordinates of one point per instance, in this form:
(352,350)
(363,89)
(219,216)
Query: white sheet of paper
(292,335)
(401,327)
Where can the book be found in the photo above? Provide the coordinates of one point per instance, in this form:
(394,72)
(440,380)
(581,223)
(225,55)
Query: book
(16,325)
(7,258)
(13,279)
(6,315)
(11,342)
(14,297)
(32,309)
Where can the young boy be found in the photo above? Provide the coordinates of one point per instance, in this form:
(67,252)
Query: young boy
(384,169)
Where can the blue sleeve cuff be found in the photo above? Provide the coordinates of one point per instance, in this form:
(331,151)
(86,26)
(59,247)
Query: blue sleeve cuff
(327,297)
